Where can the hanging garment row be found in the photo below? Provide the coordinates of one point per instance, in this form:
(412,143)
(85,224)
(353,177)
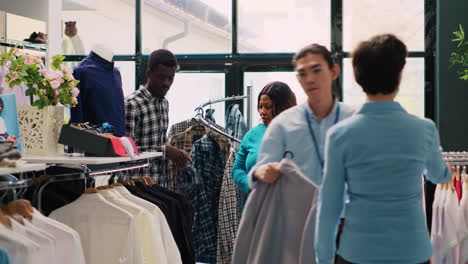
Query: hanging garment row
(208,183)
(27,237)
(139,223)
(449,234)
(117,226)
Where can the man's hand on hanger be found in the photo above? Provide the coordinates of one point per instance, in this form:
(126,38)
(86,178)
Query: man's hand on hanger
(178,156)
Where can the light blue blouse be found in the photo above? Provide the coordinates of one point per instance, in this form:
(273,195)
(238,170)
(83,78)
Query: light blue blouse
(380,153)
(247,156)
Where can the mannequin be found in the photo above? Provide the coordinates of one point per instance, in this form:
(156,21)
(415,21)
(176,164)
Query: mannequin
(101,96)
(103,51)
(71,43)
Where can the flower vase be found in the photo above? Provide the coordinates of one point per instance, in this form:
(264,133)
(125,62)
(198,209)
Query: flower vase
(40,129)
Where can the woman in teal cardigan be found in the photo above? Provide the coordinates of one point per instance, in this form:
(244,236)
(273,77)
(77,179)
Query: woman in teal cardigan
(274,98)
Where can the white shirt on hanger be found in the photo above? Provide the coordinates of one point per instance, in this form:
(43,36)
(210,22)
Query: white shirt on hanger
(68,243)
(436,232)
(435,211)
(20,248)
(162,227)
(449,227)
(463,227)
(139,245)
(46,245)
(107,232)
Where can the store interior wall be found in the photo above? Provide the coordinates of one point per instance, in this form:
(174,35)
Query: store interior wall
(2,29)
(451,92)
(36,9)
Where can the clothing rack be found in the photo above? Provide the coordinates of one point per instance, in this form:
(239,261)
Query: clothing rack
(232,98)
(87,174)
(236,97)
(455,154)
(458,158)
(13,186)
(202,120)
(22,44)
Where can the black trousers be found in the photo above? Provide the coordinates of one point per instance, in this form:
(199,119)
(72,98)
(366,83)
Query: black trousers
(340,260)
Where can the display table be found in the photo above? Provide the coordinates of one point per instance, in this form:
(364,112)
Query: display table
(63,159)
(25,168)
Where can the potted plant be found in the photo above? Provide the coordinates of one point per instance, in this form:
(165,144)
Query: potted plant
(51,90)
(459,58)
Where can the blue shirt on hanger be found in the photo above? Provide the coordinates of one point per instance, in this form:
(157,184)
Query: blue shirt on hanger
(380,154)
(101,97)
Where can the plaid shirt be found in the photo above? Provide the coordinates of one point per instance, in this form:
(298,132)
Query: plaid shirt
(231,203)
(235,124)
(184,125)
(184,141)
(209,159)
(146,121)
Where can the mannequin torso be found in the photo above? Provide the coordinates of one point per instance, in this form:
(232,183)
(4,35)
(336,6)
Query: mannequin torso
(103,51)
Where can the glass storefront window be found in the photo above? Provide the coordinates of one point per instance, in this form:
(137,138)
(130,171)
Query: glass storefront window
(366,18)
(410,96)
(282,26)
(127,71)
(107,22)
(187,26)
(190,90)
(258,80)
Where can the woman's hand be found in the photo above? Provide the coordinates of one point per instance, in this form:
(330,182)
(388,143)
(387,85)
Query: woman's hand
(268,173)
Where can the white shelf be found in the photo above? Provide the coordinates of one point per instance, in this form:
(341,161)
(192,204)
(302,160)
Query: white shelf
(63,159)
(25,168)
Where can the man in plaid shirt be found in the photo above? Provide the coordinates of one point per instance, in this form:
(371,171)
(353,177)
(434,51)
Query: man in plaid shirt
(146,112)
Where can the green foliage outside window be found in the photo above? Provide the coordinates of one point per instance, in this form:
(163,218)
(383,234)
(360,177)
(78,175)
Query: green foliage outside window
(459,58)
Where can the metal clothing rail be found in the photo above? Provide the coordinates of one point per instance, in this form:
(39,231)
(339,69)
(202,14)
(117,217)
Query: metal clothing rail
(455,154)
(212,127)
(23,44)
(200,117)
(457,158)
(13,185)
(37,201)
(232,98)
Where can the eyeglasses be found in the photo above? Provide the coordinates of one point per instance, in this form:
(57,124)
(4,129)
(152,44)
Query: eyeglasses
(304,73)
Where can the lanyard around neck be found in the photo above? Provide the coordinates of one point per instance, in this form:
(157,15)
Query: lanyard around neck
(308,117)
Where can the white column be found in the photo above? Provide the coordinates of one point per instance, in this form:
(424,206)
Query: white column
(54,27)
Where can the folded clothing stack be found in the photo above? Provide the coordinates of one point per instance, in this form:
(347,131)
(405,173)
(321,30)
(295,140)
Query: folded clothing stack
(97,140)
(9,155)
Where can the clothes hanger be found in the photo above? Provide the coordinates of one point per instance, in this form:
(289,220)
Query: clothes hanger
(128,183)
(141,180)
(149,180)
(91,190)
(21,207)
(464,177)
(7,212)
(288,152)
(4,220)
